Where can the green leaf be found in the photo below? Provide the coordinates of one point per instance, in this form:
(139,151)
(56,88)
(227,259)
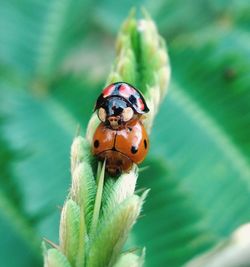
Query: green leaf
(227,72)
(237,12)
(172,229)
(175,17)
(21,245)
(8,182)
(77,92)
(37,126)
(40,34)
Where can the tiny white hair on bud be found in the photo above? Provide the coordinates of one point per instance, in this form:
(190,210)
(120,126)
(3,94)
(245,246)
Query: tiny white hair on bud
(125,186)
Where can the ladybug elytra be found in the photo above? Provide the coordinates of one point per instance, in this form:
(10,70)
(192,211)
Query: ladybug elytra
(120,138)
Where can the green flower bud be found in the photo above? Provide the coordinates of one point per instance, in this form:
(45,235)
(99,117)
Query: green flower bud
(100,212)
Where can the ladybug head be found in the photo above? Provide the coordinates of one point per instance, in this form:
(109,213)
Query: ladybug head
(115,111)
(120,101)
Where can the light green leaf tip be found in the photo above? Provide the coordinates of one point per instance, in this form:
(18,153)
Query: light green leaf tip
(131,260)
(54,258)
(70,227)
(83,190)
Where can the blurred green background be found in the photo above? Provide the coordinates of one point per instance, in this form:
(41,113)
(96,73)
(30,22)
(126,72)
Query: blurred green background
(55,57)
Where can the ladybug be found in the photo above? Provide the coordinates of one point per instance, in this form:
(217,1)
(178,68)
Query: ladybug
(120,138)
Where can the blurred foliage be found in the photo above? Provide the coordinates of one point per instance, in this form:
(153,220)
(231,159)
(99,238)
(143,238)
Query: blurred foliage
(54,59)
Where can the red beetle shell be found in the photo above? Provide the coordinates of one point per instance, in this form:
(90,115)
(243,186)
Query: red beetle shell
(126,91)
(121,148)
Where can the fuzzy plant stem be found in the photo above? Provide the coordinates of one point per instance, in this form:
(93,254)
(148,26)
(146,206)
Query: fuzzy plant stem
(98,214)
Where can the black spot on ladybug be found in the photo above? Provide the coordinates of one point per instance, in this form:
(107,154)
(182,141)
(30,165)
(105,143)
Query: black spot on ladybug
(96,143)
(145,144)
(132,100)
(133,149)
